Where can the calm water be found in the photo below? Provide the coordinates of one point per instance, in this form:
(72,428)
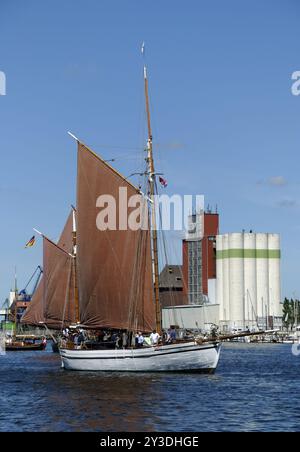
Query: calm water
(256,388)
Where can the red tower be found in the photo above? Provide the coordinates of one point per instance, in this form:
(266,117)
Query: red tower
(199,256)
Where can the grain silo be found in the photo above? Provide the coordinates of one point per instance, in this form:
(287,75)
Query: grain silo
(248,280)
(250,271)
(274,274)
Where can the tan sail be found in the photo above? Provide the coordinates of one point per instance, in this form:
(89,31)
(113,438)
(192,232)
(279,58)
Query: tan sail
(53,302)
(58,295)
(34,314)
(114,266)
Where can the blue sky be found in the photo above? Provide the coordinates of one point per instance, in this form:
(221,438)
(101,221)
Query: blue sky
(224,120)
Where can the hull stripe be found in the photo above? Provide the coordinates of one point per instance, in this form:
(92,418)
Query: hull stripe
(139,357)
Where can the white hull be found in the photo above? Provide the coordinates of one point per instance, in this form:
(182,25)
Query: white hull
(187,357)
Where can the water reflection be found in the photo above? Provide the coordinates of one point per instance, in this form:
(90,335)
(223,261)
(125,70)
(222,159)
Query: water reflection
(107,402)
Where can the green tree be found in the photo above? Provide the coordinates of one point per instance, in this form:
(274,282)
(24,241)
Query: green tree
(288,313)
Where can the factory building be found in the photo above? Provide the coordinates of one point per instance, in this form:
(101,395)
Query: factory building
(199,257)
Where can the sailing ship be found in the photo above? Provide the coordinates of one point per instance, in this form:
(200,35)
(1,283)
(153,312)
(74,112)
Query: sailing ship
(110,278)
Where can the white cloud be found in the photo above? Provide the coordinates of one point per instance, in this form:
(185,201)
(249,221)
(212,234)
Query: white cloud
(274,181)
(277,181)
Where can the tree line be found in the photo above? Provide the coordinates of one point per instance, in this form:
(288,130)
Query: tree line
(291,313)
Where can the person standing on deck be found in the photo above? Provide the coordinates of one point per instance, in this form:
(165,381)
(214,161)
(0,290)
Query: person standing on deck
(154,338)
(173,335)
(124,339)
(140,340)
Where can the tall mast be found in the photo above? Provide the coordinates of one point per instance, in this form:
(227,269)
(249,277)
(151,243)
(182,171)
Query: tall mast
(74,237)
(150,162)
(16,302)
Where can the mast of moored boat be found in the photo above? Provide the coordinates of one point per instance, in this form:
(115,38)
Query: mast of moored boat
(151,168)
(16,302)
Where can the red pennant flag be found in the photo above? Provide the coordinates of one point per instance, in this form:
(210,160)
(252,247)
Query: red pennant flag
(163,182)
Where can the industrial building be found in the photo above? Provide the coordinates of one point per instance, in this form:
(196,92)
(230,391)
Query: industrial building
(248,280)
(199,257)
(230,280)
(197,308)
(171,287)
(191,317)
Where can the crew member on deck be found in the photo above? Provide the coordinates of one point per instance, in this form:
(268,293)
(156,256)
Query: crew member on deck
(140,340)
(154,337)
(172,334)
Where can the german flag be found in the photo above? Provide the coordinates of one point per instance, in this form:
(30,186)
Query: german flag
(30,243)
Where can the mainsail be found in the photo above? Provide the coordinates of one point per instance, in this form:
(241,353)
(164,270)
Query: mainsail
(53,302)
(114,266)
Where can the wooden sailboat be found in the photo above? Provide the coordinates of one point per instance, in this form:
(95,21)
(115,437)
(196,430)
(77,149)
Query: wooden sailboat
(25,343)
(117,272)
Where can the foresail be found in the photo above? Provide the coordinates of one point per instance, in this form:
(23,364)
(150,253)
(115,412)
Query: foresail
(34,314)
(58,306)
(114,264)
(53,302)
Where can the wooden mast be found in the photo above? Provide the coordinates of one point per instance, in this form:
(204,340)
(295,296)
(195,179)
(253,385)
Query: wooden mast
(74,237)
(150,162)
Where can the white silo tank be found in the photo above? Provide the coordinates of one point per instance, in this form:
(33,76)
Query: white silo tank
(274,275)
(226,314)
(262,275)
(219,294)
(236,272)
(250,278)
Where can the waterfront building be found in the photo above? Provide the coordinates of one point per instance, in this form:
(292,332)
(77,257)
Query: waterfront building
(199,257)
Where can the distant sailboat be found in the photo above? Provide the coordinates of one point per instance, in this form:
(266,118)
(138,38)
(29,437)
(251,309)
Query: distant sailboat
(25,343)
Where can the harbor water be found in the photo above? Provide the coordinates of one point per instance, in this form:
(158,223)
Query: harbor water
(255,388)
